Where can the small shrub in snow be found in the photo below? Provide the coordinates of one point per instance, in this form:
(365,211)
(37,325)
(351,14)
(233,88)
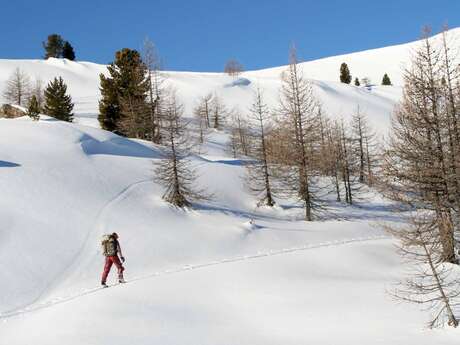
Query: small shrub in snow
(33,110)
(386,80)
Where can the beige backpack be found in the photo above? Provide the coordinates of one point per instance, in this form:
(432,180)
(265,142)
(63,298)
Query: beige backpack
(109,245)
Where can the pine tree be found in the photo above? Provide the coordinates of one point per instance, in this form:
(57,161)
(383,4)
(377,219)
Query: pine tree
(386,80)
(136,119)
(357,83)
(53,46)
(67,51)
(109,105)
(345,76)
(33,110)
(123,107)
(57,103)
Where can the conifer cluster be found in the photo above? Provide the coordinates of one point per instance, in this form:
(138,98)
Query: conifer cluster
(55,46)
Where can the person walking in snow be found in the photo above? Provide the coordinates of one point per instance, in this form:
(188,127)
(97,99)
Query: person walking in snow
(112,252)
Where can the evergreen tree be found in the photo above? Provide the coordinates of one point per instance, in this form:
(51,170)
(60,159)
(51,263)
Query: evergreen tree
(33,110)
(123,107)
(109,106)
(345,76)
(57,103)
(68,52)
(386,80)
(53,46)
(357,83)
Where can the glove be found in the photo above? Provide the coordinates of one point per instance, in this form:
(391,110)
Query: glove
(122,259)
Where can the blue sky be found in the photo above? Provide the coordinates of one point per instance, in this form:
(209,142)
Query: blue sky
(200,35)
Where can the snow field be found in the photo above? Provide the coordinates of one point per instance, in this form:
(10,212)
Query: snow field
(202,276)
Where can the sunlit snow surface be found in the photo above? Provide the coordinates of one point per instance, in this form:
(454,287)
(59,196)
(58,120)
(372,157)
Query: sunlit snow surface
(223,273)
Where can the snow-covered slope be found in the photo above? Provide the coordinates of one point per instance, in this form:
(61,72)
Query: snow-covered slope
(339,100)
(206,276)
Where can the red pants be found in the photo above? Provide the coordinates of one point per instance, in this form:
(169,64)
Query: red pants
(109,260)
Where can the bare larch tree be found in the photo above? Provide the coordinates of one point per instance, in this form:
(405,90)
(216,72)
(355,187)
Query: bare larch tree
(155,80)
(419,151)
(38,90)
(299,108)
(176,172)
(233,68)
(17,90)
(219,112)
(421,171)
(240,142)
(259,171)
(430,282)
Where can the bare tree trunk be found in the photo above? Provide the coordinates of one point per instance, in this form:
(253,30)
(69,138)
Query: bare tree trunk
(346,168)
(370,178)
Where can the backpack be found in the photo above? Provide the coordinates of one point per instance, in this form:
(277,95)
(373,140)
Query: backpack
(109,245)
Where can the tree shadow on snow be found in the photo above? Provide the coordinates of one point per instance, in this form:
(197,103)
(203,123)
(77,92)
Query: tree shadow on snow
(5,164)
(229,211)
(230,161)
(117,147)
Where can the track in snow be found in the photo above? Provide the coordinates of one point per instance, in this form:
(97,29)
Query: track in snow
(58,300)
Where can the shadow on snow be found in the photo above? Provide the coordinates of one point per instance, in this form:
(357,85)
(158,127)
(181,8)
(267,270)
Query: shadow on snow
(5,164)
(117,147)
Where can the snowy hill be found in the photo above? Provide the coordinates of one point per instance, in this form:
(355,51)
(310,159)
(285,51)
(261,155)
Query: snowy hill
(339,100)
(207,276)
(197,277)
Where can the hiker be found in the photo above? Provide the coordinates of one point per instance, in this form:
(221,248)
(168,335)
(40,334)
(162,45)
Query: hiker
(111,249)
